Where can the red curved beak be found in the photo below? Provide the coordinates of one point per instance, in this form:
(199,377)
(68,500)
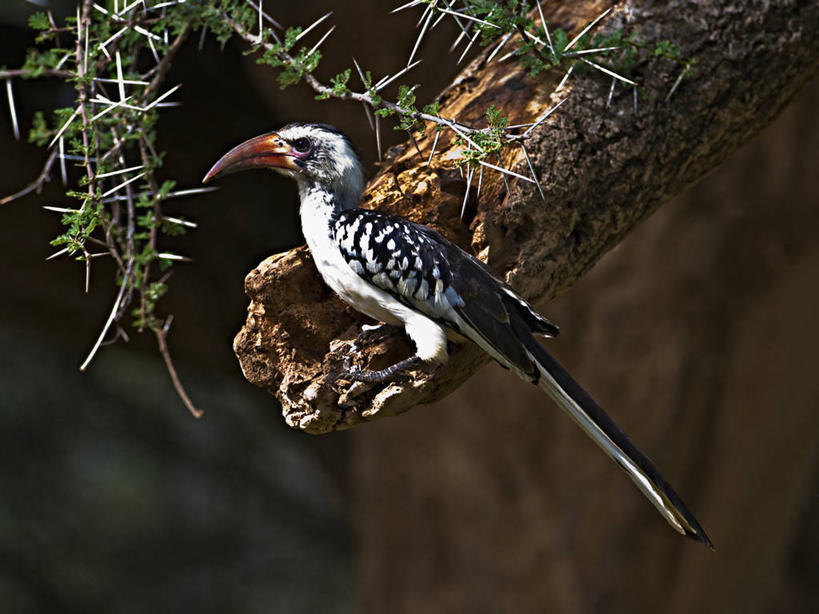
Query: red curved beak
(265,151)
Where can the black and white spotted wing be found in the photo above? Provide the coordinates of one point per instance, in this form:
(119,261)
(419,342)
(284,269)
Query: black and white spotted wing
(423,270)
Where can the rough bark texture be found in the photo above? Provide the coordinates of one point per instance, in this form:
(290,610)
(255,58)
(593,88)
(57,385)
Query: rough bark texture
(602,170)
(698,333)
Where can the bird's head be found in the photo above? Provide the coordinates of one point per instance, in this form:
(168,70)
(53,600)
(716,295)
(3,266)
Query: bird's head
(315,155)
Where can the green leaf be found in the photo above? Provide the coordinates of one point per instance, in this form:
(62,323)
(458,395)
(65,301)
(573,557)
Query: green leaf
(39,21)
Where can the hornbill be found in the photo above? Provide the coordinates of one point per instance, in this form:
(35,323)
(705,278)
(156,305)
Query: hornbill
(408,275)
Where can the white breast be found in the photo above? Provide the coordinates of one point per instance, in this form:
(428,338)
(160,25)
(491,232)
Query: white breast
(428,336)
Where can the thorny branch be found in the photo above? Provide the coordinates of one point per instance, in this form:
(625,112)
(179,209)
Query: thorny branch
(107,133)
(506,19)
(37,184)
(102,129)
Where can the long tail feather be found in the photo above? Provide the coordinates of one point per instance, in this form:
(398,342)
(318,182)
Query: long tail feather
(581,408)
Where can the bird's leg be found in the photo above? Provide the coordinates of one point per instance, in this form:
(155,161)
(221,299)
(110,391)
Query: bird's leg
(393,373)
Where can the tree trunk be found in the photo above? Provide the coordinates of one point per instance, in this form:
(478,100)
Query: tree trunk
(602,171)
(699,333)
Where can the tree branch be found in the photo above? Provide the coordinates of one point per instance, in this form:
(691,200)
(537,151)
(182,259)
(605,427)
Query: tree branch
(602,171)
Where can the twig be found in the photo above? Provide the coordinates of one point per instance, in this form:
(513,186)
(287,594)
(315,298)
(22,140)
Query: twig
(26,73)
(37,184)
(161,339)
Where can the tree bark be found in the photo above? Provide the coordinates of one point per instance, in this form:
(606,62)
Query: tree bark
(699,334)
(602,170)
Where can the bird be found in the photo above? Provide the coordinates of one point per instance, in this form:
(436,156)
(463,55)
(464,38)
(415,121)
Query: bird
(404,274)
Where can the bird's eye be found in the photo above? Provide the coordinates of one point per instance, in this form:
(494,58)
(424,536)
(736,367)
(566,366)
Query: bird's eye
(302,145)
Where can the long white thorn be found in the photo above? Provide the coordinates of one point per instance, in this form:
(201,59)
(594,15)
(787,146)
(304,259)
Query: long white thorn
(543,118)
(469,46)
(125,81)
(610,73)
(531,36)
(12,110)
(163,97)
(179,221)
(169,256)
(587,28)
(532,170)
(575,54)
(360,73)
(503,174)
(503,41)
(434,145)
(60,209)
(64,127)
(191,192)
(63,173)
(111,316)
(57,254)
(546,29)
(120,78)
(261,24)
(369,115)
(162,5)
(611,92)
(673,87)
(113,105)
(437,21)
(110,39)
(127,9)
(85,53)
(506,171)
(119,172)
(147,34)
(421,35)
(269,19)
(471,18)
(457,40)
(153,50)
(427,9)
(509,55)
(119,186)
(62,61)
(387,80)
(304,32)
(565,78)
(457,21)
(321,40)
(378,136)
(461,133)
(470,171)
(407,5)
(87,272)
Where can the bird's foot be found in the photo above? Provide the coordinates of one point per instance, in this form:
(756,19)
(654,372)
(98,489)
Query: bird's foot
(393,373)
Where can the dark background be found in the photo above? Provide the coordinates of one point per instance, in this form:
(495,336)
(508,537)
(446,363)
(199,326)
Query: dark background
(114,499)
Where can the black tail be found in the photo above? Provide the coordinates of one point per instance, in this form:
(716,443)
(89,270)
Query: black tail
(576,402)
